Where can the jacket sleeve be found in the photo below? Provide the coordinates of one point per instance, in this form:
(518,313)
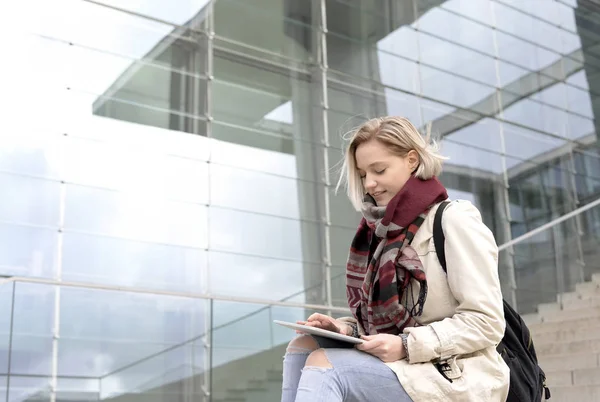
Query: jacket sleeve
(472,263)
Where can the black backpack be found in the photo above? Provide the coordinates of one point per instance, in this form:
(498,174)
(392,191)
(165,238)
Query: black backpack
(527,379)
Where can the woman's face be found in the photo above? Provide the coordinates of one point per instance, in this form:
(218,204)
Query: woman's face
(383,173)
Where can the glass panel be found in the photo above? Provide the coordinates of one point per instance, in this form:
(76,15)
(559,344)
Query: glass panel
(141,73)
(471,161)
(98,259)
(271,100)
(548,264)
(554,95)
(250,348)
(28,251)
(529,145)
(456,28)
(3,388)
(6,310)
(263,278)
(359,59)
(526,26)
(102,336)
(480,11)
(538,116)
(363,20)
(580,128)
(340,239)
(264,236)
(85,389)
(454,90)
(341,211)
(351,106)
(525,54)
(183,12)
(155,175)
(484,135)
(587,173)
(31,153)
(135,216)
(338,286)
(32,201)
(548,13)
(80,22)
(24,388)
(590,225)
(456,59)
(286,197)
(276,26)
(32,336)
(251,158)
(579,101)
(546,190)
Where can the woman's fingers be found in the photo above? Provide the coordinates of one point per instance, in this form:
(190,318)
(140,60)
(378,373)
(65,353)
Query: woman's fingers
(366,346)
(321,318)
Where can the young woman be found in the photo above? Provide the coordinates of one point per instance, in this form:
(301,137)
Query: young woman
(429,336)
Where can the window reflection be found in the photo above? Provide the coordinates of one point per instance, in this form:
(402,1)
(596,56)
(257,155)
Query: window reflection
(31,201)
(135,216)
(133,263)
(524,54)
(456,59)
(480,11)
(28,251)
(454,27)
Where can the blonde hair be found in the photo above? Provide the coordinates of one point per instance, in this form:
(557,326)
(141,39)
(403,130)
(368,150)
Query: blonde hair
(400,136)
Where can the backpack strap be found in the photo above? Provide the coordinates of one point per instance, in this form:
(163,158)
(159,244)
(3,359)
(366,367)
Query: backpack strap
(438,235)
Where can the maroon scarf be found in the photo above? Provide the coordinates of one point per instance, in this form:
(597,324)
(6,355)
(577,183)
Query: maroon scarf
(382,265)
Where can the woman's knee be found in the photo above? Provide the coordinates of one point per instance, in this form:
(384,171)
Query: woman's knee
(318,358)
(302,344)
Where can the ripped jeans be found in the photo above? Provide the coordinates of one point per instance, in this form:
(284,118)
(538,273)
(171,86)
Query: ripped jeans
(355,377)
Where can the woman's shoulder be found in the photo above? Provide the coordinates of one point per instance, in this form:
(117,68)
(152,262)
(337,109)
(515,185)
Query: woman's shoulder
(459,210)
(462,223)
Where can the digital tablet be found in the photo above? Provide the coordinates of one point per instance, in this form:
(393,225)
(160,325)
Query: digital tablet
(320,332)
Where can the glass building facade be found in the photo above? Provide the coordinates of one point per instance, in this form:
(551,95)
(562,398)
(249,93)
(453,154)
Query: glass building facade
(168,172)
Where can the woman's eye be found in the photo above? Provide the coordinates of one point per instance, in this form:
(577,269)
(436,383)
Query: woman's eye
(380,171)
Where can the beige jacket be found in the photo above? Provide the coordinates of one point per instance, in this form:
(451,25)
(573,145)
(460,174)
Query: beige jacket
(463,318)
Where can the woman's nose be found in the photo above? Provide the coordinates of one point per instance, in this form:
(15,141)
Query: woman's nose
(370,183)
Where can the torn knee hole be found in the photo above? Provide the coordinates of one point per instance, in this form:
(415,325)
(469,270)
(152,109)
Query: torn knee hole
(302,344)
(318,359)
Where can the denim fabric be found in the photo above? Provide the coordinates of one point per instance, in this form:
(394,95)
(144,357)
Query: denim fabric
(355,377)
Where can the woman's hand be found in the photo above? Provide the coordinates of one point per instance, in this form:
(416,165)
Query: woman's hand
(328,323)
(388,348)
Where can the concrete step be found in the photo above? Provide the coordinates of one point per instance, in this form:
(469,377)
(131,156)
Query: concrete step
(587,289)
(562,378)
(567,334)
(586,377)
(576,361)
(569,304)
(596,278)
(570,315)
(566,378)
(568,347)
(275,375)
(589,393)
(554,326)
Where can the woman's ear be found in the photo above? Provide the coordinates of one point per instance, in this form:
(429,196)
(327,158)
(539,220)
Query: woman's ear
(413,160)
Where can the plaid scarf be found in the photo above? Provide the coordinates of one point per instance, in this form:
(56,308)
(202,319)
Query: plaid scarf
(382,265)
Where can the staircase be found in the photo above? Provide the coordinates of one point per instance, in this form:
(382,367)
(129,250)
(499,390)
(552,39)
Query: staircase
(567,341)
